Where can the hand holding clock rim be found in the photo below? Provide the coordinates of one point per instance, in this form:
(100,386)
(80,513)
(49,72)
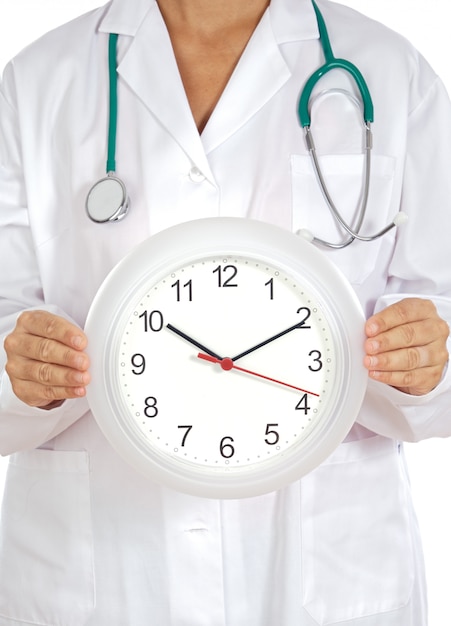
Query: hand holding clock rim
(266,341)
(194,342)
(228,364)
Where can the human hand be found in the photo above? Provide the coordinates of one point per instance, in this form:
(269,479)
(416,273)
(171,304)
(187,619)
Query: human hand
(406,346)
(46,362)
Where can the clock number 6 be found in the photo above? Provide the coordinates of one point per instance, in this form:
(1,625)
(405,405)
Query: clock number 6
(226,449)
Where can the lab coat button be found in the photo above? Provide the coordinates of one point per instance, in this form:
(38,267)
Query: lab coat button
(196,175)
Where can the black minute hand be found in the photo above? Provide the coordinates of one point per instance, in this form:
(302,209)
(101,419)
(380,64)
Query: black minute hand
(191,340)
(266,341)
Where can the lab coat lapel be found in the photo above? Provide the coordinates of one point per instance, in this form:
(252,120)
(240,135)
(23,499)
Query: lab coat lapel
(150,70)
(262,69)
(257,77)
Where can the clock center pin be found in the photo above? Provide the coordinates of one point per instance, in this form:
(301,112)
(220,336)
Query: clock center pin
(227,364)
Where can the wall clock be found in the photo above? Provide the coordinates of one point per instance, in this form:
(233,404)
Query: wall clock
(226,357)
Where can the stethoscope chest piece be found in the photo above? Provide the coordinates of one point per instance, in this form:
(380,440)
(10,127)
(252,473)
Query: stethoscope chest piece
(107,200)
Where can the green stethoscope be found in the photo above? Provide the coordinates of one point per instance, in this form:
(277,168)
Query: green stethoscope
(108,200)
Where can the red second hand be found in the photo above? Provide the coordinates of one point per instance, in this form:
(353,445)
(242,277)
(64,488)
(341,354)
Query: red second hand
(228,364)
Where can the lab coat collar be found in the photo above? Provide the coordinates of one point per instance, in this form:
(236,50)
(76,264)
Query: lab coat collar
(292,20)
(285,21)
(124,17)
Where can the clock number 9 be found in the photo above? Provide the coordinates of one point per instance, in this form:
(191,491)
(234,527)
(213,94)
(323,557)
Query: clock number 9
(139,363)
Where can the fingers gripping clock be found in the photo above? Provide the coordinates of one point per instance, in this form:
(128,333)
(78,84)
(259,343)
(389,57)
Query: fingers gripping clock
(226,357)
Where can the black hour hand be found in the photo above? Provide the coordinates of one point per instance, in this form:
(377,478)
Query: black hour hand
(194,342)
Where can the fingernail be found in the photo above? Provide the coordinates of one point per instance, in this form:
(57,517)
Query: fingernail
(373,346)
(82,378)
(80,363)
(77,341)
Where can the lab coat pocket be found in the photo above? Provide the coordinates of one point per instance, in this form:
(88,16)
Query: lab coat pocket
(357,546)
(344,175)
(46,561)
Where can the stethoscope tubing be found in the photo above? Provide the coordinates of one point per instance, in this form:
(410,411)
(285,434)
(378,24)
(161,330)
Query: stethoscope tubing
(112,122)
(342,64)
(331,63)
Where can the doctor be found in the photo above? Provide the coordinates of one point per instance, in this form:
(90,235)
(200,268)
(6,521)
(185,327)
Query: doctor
(207,126)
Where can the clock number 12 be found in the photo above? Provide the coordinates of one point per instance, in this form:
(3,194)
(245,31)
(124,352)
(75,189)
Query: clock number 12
(226,274)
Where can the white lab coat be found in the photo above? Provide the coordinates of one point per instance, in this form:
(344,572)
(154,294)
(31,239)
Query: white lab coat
(84,539)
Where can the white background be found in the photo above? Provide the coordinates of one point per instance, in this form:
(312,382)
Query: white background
(426,24)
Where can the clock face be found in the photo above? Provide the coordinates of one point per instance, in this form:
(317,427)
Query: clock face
(226,366)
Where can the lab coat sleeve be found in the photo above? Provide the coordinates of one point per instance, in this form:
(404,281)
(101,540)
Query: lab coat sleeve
(421,266)
(21,427)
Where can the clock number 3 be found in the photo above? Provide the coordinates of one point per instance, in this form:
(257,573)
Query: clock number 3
(318,364)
